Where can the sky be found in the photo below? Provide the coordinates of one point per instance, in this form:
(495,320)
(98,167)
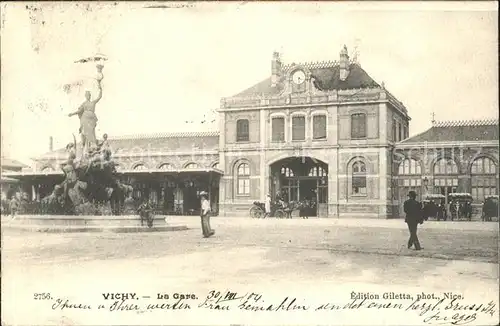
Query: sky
(169,66)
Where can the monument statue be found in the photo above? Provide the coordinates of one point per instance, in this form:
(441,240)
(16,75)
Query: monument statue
(90,183)
(87,116)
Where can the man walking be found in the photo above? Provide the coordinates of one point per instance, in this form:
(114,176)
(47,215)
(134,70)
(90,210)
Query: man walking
(205,216)
(414,217)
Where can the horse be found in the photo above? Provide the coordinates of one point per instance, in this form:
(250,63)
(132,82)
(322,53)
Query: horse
(288,208)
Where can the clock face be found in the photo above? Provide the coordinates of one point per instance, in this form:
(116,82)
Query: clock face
(298,77)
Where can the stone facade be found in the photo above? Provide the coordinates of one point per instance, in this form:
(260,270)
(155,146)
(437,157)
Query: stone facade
(339,149)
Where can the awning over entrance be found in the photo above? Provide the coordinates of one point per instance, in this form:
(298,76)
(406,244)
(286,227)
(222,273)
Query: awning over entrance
(28,174)
(7,180)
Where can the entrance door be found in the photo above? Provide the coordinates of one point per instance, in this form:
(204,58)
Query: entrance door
(309,192)
(191,201)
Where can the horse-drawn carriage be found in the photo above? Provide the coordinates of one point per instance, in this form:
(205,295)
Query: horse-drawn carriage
(433,205)
(490,208)
(460,206)
(279,209)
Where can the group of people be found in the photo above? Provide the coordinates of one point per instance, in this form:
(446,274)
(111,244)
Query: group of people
(305,207)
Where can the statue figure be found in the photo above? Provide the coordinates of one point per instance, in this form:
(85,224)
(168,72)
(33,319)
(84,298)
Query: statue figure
(104,148)
(87,116)
(90,183)
(69,170)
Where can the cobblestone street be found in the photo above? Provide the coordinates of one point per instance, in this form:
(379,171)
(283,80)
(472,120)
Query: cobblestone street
(311,258)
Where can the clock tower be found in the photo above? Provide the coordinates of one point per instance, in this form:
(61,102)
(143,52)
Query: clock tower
(298,81)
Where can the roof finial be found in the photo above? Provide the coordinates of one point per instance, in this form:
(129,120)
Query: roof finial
(355,53)
(433,121)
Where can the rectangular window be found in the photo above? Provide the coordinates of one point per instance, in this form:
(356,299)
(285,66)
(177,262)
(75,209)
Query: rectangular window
(359,185)
(358,125)
(394,131)
(474,193)
(319,127)
(278,129)
(243,186)
(242,130)
(400,127)
(298,128)
(480,193)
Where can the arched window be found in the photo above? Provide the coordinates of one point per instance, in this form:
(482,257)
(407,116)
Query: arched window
(299,127)
(483,165)
(287,172)
(445,176)
(319,126)
(215,165)
(445,166)
(358,125)
(483,178)
(409,167)
(317,171)
(140,167)
(243,179)
(191,166)
(166,166)
(242,130)
(359,178)
(47,169)
(409,178)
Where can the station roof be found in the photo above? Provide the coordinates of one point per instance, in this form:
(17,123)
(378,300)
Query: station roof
(326,75)
(453,131)
(8,164)
(157,142)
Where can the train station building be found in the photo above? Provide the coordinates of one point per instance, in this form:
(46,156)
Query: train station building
(324,131)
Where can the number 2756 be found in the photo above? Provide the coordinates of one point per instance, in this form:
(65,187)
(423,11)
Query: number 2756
(41,296)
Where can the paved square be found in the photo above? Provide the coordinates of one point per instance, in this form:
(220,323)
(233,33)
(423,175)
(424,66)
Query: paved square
(315,261)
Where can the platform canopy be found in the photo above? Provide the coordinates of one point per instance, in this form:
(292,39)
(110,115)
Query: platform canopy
(7,180)
(171,171)
(27,174)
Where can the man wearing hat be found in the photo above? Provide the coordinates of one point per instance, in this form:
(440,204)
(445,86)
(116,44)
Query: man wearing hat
(205,215)
(414,217)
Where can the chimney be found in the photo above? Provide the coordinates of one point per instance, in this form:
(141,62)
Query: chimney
(276,69)
(344,64)
(51,144)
